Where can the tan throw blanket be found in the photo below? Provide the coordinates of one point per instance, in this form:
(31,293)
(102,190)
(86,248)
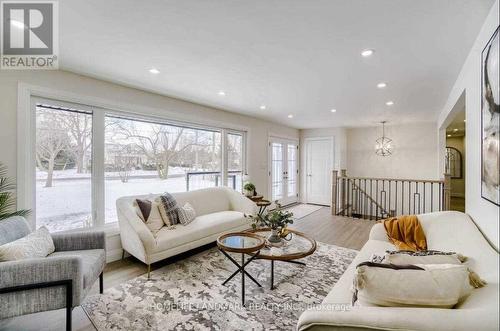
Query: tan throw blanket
(406,233)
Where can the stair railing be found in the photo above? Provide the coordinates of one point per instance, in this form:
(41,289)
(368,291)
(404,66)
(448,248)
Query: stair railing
(379,198)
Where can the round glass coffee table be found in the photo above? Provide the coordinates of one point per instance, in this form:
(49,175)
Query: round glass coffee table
(244,243)
(295,246)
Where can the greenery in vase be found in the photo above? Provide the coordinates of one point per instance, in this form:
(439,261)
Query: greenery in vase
(7,202)
(249,188)
(275,219)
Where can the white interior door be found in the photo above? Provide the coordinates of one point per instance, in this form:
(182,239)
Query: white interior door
(318,167)
(283,170)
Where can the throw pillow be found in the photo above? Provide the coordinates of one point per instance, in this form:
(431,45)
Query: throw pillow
(36,244)
(433,285)
(423,257)
(149,213)
(187,214)
(169,209)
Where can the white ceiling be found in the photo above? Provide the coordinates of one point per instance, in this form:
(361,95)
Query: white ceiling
(296,57)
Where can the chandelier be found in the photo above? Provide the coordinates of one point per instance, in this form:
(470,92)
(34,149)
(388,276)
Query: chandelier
(383,145)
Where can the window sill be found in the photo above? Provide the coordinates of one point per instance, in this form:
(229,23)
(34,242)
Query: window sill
(110,229)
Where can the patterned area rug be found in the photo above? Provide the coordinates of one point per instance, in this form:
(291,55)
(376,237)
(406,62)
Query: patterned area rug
(189,295)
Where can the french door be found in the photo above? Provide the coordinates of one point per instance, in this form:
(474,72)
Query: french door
(283,170)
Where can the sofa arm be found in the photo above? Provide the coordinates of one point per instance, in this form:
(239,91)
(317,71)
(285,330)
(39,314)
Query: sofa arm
(378,233)
(81,240)
(41,270)
(398,318)
(241,203)
(135,234)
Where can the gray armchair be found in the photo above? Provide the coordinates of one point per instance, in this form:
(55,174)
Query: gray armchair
(60,280)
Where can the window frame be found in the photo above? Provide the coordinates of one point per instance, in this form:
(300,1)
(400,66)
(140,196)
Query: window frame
(29,96)
(244,169)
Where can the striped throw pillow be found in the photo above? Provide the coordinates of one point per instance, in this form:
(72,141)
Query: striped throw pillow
(169,209)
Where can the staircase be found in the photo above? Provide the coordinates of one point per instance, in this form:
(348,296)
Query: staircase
(379,198)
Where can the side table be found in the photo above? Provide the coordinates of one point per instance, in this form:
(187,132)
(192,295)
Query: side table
(244,243)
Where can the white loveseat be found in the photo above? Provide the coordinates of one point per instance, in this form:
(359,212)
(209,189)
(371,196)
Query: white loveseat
(445,231)
(218,211)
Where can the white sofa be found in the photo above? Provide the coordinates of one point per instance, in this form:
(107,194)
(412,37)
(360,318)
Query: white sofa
(218,210)
(445,231)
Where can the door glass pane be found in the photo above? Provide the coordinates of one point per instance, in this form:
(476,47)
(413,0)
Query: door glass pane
(277,171)
(235,161)
(143,157)
(292,170)
(63,168)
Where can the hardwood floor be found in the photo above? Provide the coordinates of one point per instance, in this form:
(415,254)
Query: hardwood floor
(321,225)
(335,230)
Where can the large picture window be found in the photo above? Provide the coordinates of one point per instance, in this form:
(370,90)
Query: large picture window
(136,155)
(143,157)
(63,167)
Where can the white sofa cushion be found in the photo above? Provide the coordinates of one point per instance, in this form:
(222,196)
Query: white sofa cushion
(201,227)
(154,222)
(206,201)
(341,293)
(433,285)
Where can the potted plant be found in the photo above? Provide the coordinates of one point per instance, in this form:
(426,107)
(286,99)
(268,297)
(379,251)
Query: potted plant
(277,220)
(249,189)
(7,202)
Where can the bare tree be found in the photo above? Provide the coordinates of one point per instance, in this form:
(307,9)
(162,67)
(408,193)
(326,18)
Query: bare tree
(51,140)
(161,143)
(80,129)
(123,164)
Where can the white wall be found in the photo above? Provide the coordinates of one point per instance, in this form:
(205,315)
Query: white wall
(414,156)
(339,151)
(484,213)
(148,103)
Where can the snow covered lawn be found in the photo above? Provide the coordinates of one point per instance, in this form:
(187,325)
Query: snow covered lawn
(67,205)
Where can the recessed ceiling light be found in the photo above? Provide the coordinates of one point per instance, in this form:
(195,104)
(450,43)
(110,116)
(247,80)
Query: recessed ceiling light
(262,107)
(154,71)
(290,116)
(221,93)
(389,103)
(333,110)
(455,130)
(381,85)
(449,135)
(17,24)
(367,52)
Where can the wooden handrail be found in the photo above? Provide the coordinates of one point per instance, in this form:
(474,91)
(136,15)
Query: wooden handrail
(397,179)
